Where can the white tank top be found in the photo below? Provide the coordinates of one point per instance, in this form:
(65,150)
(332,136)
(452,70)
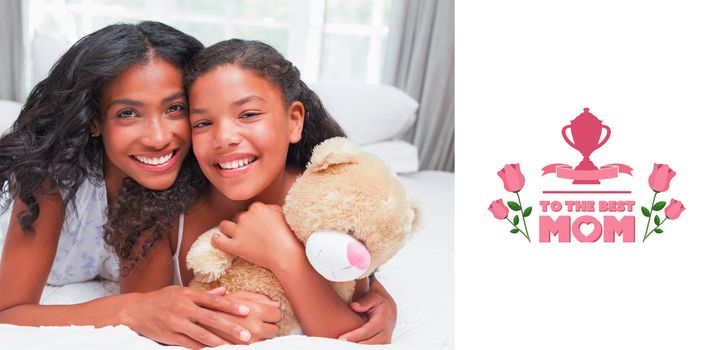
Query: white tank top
(177,275)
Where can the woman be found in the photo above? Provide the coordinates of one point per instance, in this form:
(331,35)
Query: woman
(113,107)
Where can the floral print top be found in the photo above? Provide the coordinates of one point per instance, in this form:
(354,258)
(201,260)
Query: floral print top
(82,254)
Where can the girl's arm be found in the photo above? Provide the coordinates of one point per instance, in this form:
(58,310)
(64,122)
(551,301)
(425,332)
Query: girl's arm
(381,309)
(261,236)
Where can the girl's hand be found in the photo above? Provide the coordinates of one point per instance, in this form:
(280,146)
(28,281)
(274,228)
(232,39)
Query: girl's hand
(260,322)
(382,312)
(176,316)
(261,236)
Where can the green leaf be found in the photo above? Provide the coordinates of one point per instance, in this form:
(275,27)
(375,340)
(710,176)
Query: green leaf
(527,212)
(516,220)
(514,230)
(645,211)
(514,206)
(658,230)
(659,206)
(656,220)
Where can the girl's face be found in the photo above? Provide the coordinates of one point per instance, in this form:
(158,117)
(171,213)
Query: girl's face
(144,125)
(241,130)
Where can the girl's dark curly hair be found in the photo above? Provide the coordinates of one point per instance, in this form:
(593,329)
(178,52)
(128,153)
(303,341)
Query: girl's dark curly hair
(267,62)
(49,146)
(263,59)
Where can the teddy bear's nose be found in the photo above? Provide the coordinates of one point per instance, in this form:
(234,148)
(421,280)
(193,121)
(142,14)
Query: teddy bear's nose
(358,255)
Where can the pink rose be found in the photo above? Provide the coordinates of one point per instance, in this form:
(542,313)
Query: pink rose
(674,208)
(660,177)
(499,210)
(512,177)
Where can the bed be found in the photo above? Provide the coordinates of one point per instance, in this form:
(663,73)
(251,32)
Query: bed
(420,277)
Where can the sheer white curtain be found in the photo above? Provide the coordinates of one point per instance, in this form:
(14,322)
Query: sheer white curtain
(327,39)
(420,61)
(11,48)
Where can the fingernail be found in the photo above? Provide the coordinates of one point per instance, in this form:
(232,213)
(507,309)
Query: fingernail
(243,309)
(244,335)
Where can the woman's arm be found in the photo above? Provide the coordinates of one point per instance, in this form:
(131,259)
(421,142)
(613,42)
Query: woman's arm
(261,236)
(169,308)
(26,263)
(25,266)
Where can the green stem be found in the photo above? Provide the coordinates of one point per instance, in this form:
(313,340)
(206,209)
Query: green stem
(515,226)
(654,229)
(651,210)
(521,212)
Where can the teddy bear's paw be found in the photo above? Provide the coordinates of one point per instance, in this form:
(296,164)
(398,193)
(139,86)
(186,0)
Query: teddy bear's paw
(207,262)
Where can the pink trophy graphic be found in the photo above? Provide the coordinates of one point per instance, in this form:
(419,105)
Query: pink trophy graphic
(586,130)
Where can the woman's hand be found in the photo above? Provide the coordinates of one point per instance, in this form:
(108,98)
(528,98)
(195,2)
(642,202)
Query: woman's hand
(382,312)
(261,236)
(260,322)
(176,316)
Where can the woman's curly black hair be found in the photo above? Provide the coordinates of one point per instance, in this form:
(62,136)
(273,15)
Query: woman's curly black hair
(49,147)
(138,210)
(126,216)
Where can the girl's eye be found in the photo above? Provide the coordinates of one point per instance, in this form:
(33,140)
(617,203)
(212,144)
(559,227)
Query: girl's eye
(248,115)
(176,108)
(201,124)
(126,114)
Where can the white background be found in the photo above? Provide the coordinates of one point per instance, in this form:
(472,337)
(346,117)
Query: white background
(649,70)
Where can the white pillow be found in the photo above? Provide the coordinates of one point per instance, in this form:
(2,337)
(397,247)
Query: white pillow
(368,113)
(9,110)
(401,156)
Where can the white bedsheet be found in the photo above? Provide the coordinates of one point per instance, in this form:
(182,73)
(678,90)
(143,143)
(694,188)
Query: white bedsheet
(420,278)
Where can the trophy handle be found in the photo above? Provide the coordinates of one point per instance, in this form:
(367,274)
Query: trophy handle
(606,138)
(564,133)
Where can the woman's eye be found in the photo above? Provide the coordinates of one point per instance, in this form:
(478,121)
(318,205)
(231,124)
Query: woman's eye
(126,114)
(176,108)
(200,124)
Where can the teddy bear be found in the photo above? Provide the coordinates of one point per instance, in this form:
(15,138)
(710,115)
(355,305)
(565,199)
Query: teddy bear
(350,211)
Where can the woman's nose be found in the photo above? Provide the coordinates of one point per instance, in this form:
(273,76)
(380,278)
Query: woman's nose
(157,134)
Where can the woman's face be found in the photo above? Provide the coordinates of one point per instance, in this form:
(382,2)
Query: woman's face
(241,130)
(144,125)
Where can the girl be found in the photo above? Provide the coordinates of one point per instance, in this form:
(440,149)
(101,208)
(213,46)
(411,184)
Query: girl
(255,124)
(112,107)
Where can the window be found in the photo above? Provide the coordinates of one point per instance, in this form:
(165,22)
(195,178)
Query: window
(326,39)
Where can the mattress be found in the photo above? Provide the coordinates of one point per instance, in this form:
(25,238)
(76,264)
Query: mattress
(420,278)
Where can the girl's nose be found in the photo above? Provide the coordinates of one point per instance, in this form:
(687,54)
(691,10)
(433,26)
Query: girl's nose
(227,134)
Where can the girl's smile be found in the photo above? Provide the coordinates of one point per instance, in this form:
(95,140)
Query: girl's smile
(235,164)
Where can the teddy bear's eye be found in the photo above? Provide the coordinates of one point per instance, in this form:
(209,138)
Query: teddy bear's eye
(351,232)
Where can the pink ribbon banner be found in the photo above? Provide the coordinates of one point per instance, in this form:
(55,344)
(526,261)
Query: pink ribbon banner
(608,171)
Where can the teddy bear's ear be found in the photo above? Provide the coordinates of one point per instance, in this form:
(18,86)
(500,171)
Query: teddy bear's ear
(415,206)
(334,151)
